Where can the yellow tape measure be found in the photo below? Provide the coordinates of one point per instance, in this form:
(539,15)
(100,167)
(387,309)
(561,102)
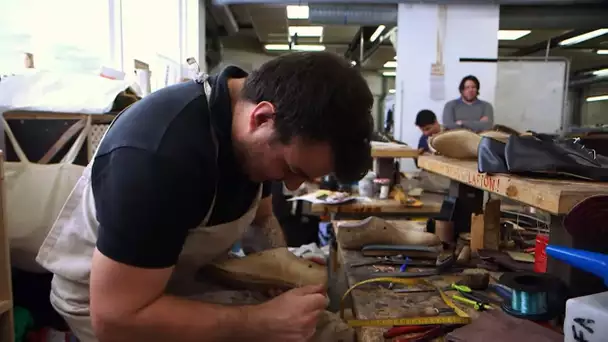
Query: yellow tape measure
(461,317)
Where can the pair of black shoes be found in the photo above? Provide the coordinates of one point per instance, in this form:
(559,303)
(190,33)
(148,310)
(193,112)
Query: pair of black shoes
(541,154)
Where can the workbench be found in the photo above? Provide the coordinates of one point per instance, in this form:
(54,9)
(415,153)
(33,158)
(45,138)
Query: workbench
(378,302)
(383,208)
(384,155)
(555,197)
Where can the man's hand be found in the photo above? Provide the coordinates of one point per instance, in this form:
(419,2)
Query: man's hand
(292,316)
(459,122)
(484,119)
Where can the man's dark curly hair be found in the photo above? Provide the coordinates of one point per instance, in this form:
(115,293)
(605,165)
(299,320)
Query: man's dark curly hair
(319,97)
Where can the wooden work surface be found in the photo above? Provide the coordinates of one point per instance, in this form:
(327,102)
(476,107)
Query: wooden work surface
(376,301)
(554,196)
(392,150)
(431,205)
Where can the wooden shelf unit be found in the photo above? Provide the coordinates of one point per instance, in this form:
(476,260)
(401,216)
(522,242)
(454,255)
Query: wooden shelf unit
(6,291)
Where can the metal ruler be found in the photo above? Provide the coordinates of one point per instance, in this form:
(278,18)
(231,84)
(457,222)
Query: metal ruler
(461,317)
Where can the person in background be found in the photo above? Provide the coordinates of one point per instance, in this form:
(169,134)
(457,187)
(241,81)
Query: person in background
(426,120)
(468,111)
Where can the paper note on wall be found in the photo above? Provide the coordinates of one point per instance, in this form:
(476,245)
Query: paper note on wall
(437,82)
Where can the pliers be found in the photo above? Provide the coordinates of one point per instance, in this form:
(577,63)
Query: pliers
(426,332)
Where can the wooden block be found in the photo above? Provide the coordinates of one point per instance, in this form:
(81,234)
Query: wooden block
(485,228)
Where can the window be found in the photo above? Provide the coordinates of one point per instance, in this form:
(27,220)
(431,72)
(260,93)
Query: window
(64,35)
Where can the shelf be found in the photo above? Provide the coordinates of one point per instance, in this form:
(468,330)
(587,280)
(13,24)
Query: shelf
(555,196)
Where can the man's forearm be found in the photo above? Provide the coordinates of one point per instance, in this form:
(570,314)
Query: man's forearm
(180,320)
(477,126)
(271,228)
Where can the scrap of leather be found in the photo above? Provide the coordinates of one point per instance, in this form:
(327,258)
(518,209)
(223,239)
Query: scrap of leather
(497,326)
(376,231)
(503,260)
(462,143)
(273,268)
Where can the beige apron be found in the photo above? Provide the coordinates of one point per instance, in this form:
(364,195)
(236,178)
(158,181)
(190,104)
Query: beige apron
(68,250)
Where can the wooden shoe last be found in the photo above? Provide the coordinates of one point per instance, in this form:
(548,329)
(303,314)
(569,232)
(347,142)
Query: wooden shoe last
(376,231)
(273,268)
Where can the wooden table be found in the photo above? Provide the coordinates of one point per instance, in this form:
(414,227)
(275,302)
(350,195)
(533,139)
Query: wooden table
(384,155)
(556,197)
(392,150)
(375,301)
(389,207)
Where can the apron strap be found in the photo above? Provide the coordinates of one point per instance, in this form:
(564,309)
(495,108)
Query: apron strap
(203,79)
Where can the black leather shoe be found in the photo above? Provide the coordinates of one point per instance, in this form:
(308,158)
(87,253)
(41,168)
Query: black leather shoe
(541,154)
(491,156)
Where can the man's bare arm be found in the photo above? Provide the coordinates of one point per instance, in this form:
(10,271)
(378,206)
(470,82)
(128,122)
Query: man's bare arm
(128,304)
(269,224)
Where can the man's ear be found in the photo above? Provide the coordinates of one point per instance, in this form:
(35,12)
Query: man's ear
(262,113)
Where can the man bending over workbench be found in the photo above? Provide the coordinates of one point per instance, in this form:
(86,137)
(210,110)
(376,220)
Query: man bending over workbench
(175,182)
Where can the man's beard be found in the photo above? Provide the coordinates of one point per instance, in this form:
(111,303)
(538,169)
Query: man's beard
(247,157)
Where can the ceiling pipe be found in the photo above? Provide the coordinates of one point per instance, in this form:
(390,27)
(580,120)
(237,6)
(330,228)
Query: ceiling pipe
(361,15)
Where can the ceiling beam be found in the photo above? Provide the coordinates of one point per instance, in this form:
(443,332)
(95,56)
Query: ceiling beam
(554,42)
(352,46)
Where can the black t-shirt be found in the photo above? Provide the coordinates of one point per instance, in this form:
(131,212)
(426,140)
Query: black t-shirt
(156,173)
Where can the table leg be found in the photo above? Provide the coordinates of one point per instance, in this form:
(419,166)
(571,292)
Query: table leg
(580,282)
(462,201)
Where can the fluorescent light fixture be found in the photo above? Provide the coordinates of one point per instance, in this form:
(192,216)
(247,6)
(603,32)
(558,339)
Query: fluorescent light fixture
(276,47)
(389,73)
(308,47)
(297,12)
(391,91)
(306,31)
(601,72)
(585,36)
(512,34)
(602,52)
(377,33)
(597,98)
(285,47)
(390,64)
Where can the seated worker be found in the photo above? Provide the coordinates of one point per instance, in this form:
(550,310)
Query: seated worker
(468,111)
(426,120)
(177,179)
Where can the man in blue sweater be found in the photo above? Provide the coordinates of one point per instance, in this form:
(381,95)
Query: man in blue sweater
(426,120)
(468,111)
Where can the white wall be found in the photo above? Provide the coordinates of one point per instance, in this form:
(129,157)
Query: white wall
(594,113)
(470,32)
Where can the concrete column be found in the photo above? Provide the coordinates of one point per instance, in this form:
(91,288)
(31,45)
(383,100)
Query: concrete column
(468,31)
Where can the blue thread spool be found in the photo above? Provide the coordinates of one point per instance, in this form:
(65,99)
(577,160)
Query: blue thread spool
(529,296)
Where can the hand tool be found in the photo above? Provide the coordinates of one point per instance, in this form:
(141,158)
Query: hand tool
(477,296)
(429,335)
(479,306)
(408,329)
